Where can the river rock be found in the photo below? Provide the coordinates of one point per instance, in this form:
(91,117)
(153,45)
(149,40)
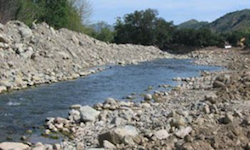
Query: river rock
(5,83)
(183,132)
(88,114)
(116,135)
(197,145)
(211,98)
(148,97)
(4,39)
(13,146)
(3,88)
(25,32)
(74,115)
(76,106)
(161,134)
(108,145)
(228,118)
(218,84)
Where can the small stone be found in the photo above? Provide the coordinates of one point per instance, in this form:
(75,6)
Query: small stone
(206,109)
(148,97)
(3,88)
(161,134)
(108,145)
(228,118)
(183,132)
(238,114)
(211,98)
(76,106)
(218,84)
(128,140)
(57,147)
(80,146)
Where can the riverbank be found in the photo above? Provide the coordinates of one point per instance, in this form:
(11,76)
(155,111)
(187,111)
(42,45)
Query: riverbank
(207,112)
(43,55)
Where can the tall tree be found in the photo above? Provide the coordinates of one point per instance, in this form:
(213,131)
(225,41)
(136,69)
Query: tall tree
(143,27)
(7,9)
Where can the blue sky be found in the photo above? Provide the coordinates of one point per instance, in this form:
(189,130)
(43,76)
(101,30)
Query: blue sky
(171,10)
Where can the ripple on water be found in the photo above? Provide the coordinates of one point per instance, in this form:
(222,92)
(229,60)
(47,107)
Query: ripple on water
(10,103)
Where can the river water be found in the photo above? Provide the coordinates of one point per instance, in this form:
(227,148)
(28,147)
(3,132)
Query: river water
(28,109)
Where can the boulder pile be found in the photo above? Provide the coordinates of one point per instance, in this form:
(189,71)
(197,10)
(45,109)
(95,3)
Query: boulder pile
(41,54)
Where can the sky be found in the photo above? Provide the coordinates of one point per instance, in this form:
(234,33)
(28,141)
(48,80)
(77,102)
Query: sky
(171,10)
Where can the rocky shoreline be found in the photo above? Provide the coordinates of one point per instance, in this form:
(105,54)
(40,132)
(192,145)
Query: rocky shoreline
(41,54)
(208,112)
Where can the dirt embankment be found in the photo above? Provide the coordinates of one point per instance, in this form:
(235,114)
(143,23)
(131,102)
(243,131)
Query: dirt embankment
(44,55)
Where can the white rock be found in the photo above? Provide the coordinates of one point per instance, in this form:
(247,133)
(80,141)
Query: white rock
(161,134)
(183,132)
(3,88)
(108,145)
(148,97)
(13,146)
(88,114)
(116,135)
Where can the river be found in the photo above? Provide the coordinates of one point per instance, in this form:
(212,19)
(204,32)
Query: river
(28,109)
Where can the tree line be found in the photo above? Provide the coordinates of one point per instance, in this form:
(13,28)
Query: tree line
(146,28)
(69,14)
(140,27)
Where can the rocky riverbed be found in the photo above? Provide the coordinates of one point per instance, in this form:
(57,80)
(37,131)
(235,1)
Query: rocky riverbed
(41,54)
(208,112)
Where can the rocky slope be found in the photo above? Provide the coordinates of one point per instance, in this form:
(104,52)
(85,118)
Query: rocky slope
(43,55)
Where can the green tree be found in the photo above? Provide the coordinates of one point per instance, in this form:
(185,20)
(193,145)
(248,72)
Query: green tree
(196,38)
(143,27)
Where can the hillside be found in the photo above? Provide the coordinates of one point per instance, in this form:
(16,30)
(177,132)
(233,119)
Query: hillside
(192,24)
(238,20)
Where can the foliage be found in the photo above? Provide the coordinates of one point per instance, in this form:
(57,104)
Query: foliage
(233,21)
(7,7)
(235,37)
(102,31)
(198,38)
(192,24)
(57,13)
(143,27)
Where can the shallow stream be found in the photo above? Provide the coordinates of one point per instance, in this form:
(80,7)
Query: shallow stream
(28,109)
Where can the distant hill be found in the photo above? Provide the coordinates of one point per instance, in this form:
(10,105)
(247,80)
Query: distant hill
(238,20)
(100,25)
(192,24)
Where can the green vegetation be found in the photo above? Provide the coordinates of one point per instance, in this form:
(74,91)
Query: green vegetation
(192,24)
(198,38)
(143,27)
(235,21)
(102,31)
(57,13)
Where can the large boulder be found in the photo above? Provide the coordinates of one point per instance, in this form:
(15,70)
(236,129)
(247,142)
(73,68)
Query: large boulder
(117,135)
(88,114)
(13,146)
